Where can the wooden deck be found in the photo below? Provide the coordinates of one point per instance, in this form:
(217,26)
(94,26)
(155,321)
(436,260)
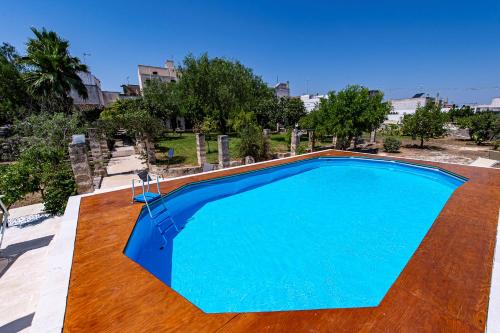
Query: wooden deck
(444,287)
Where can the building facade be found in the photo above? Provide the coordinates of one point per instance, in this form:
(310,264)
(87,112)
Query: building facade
(403,106)
(311,102)
(95,98)
(494,106)
(164,74)
(282,89)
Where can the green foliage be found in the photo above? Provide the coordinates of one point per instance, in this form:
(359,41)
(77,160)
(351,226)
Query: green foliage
(483,126)
(455,114)
(41,169)
(14,99)
(427,122)
(220,89)
(161,99)
(131,115)
(392,130)
(251,136)
(54,130)
(347,114)
(51,72)
(288,112)
(58,187)
(392,144)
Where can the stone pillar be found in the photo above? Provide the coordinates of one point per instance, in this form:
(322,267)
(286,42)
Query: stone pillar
(200,149)
(249,160)
(223,142)
(373,136)
(150,150)
(105,150)
(294,145)
(96,153)
(80,164)
(267,144)
(311,141)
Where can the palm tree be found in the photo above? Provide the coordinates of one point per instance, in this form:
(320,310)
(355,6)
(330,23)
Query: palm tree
(51,71)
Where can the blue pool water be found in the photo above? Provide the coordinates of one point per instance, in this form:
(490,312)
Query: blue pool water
(322,233)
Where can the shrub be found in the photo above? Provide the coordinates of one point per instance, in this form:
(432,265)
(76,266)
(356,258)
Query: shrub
(252,140)
(392,144)
(483,126)
(41,169)
(58,188)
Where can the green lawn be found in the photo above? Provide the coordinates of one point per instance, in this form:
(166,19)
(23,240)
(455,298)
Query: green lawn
(185,148)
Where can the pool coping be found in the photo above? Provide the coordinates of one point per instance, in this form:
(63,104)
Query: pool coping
(214,174)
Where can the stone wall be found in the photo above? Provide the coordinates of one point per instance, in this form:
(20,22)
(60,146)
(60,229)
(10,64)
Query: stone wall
(9,149)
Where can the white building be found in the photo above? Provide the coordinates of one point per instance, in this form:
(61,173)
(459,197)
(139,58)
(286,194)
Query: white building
(311,101)
(164,74)
(493,106)
(403,106)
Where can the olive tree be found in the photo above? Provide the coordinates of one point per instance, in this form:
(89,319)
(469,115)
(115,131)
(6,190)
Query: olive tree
(427,122)
(347,114)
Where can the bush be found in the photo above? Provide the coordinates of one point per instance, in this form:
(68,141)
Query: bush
(58,188)
(392,144)
(252,139)
(483,126)
(41,169)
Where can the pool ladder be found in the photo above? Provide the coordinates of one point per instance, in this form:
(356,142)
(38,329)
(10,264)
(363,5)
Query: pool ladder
(163,221)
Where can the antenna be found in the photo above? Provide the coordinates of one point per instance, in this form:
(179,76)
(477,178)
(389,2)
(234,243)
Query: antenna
(128,77)
(85,55)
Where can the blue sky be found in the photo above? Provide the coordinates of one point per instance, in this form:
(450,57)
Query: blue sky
(400,47)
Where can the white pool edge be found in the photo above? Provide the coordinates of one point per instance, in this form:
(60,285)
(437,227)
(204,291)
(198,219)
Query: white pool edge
(51,307)
(493,320)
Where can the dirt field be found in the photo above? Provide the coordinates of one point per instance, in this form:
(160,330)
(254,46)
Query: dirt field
(448,149)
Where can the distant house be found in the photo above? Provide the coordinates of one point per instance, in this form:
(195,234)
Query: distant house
(403,106)
(282,89)
(95,97)
(494,106)
(167,74)
(311,102)
(98,98)
(164,74)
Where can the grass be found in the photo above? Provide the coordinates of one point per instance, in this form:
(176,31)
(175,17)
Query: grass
(185,148)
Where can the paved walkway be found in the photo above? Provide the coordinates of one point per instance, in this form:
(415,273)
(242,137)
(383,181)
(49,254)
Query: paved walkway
(122,167)
(23,263)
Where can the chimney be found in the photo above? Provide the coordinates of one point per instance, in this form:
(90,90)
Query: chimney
(169,64)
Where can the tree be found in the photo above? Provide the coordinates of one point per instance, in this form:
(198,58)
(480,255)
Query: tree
(54,130)
(131,114)
(14,99)
(161,99)
(455,114)
(51,71)
(483,126)
(251,137)
(218,88)
(43,169)
(289,111)
(427,122)
(347,114)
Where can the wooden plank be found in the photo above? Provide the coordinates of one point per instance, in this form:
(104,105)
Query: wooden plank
(444,287)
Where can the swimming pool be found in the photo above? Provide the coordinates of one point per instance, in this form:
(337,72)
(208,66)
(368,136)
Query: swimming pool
(315,234)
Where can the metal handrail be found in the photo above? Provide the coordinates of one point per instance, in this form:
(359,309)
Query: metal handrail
(5,220)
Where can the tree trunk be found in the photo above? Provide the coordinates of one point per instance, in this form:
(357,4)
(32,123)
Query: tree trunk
(421,142)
